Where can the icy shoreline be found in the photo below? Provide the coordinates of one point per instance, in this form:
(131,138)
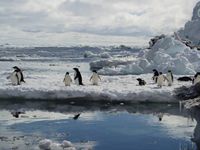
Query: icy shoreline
(116,88)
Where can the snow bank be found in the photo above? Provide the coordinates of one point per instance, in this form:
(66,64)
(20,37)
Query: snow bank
(167,54)
(115,88)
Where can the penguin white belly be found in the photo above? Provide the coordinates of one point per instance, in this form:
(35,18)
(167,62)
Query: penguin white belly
(169,79)
(76,80)
(67,81)
(160,80)
(95,79)
(197,80)
(14,79)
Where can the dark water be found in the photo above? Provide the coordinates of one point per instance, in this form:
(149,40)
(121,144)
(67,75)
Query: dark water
(100,126)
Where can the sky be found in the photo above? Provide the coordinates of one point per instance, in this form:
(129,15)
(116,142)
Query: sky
(90,22)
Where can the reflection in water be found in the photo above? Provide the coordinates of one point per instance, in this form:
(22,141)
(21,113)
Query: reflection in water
(195,113)
(98,125)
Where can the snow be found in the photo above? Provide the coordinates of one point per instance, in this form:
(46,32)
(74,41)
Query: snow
(167,54)
(112,88)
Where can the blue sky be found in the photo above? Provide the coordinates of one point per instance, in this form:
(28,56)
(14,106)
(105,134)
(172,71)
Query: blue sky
(101,22)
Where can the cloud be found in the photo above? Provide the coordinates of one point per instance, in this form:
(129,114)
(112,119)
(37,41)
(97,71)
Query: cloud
(127,18)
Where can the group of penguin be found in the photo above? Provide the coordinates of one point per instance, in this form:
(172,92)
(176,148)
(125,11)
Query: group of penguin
(95,78)
(160,79)
(17,77)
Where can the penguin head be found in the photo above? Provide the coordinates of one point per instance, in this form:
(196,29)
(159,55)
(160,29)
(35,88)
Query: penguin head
(160,73)
(94,71)
(67,73)
(197,74)
(139,79)
(16,68)
(154,70)
(169,71)
(76,69)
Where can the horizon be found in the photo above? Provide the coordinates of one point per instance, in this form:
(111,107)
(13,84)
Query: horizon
(34,23)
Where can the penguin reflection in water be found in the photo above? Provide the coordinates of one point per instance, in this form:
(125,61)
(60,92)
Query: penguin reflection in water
(67,80)
(95,78)
(17,76)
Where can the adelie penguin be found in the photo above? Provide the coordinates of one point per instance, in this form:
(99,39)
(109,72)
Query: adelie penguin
(67,79)
(77,77)
(196,78)
(17,76)
(141,81)
(95,78)
(170,78)
(161,80)
(155,75)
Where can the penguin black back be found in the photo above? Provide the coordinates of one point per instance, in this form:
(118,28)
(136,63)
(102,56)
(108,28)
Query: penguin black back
(78,76)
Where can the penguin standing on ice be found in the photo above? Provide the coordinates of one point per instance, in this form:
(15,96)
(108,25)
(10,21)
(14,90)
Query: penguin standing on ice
(16,76)
(77,77)
(67,80)
(95,78)
(19,73)
(155,75)
(161,79)
(170,78)
(196,78)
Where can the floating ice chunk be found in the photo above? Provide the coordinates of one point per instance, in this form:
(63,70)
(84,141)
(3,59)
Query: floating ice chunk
(45,144)
(66,144)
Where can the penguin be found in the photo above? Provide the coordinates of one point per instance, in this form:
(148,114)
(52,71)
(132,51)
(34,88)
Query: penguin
(161,79)
(19,73)
(95,78)
(185,78)
(141,81)
(16,76)
(67,79)
(77,77)
(155,75)
(170,78)
(196,78)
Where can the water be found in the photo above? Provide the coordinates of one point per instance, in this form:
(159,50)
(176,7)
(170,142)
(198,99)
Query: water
(100,126)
